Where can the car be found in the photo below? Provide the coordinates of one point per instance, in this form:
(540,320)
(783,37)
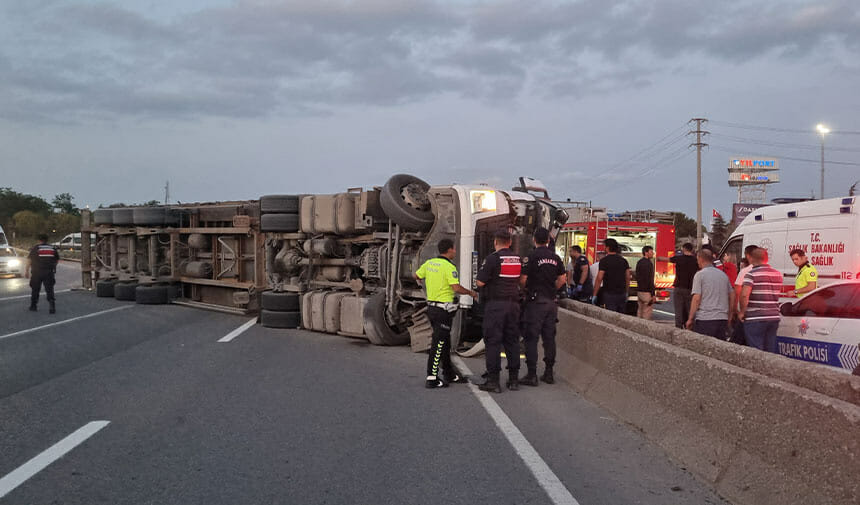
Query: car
(11,263)
(823,326)
(72,242)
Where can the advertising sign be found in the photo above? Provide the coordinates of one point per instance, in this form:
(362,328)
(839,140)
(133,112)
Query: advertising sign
(742,210)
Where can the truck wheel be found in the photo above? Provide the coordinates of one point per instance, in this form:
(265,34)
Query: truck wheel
(279,204)
(104,288)
(152,295)
(404,200)
(148,216)
(124,291)
(376,326)
(174,291)
(283,302)
(123,217)
(278,319)
(103,216)
(280,222)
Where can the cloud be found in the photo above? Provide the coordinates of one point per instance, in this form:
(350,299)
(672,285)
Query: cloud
(73,61)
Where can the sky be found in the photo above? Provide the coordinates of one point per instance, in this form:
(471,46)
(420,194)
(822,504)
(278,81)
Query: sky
(231,100)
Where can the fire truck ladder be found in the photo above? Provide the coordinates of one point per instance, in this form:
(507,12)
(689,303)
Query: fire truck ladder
(601,232)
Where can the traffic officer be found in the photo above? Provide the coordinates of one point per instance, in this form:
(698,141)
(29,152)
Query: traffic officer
(580,275)
(542,275)
(499,277)
(442,281)
(807,276)
(41,267)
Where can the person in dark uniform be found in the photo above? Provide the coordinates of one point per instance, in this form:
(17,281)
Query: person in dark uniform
(580,279)
(41,267)
(441,282)
(499,278)
(542,275)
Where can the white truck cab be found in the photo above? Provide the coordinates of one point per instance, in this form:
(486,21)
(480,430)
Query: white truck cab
(3,241)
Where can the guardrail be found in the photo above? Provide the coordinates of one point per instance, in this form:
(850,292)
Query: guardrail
(762,429)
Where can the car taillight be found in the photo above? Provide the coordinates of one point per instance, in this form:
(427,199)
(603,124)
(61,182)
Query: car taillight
(664,294)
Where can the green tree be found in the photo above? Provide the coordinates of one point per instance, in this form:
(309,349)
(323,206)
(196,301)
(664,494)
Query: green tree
(684,226)
(719,232)
(63,224)
(65,203)
(12,202)
(28,224)
(152,203)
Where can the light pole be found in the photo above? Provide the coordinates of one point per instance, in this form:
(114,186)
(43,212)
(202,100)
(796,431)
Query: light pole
(822,130)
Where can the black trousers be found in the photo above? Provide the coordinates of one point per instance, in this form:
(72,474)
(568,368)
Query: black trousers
(615,301)
(539,319)
(440,348)
(682,298)
(37,279)
(713,328)
(502,329)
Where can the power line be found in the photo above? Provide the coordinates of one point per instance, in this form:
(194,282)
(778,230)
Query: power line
(805,160)
(774,129)
(788,145)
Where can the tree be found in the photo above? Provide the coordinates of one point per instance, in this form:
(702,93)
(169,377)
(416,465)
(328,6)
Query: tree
(28,224)
(719,232)
(63,224)
(684,226)
(64,202)
(12,202)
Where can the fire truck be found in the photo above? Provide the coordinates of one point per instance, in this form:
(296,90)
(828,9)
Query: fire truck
(589,227)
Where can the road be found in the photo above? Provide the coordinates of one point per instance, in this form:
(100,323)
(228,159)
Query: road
(68,277)
(287,416)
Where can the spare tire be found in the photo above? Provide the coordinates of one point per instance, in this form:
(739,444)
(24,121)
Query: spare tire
(148,216)
(152,295)
(124,291)
(279,204)
(376,325)
(172,217)
(104,288)
(278,319)
(280,222)
(284,302)
(406,203)
(123,216)
(103,216)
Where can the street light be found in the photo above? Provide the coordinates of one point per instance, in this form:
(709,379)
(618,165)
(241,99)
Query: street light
(822,130)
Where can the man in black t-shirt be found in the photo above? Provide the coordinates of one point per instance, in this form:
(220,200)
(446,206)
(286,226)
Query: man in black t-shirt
(542,276)
(613,278)
(645,284)
(686,267)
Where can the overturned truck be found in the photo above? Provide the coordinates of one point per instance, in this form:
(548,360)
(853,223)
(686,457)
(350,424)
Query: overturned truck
(338,263)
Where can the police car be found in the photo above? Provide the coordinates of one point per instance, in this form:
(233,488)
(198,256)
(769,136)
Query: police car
(10,263)
(823,326)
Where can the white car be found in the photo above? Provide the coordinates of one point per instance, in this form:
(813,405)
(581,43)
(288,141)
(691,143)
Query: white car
(11,263)
(823,326)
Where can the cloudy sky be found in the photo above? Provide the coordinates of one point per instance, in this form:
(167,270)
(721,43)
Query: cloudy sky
(235,99)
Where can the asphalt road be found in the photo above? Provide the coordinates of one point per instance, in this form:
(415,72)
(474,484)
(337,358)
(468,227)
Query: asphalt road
(68,277)
(285,416)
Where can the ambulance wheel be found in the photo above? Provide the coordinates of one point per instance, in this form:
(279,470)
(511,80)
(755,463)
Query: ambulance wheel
(406,203)
(280,222)
(376,324)
(124,291)
(104,288)
(279,204)
(152,295)
(279,319)
(284,302)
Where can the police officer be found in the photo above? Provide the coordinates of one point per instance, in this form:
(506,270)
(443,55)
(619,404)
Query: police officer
(807,275)
(542,275)
(442,281)
(41,267)
(499,277)
(580,279)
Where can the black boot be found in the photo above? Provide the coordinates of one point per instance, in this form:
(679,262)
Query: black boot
(33,307)
(530,379)
(52,309)
(513,380)
(491,384)
(433,382)
(454,376)
(547,376)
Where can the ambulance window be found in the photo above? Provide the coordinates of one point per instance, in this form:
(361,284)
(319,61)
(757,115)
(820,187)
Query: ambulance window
(835,301)
(852,311)
(734,249)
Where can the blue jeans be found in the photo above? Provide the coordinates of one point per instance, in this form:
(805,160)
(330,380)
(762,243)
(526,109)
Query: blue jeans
(761,334)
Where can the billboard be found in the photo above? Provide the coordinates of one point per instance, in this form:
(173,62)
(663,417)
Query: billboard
(744,171)
(742,210)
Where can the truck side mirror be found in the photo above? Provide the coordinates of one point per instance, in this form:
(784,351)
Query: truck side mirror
(786,309)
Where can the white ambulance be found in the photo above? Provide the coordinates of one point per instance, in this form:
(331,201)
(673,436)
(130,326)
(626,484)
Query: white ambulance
(829,232)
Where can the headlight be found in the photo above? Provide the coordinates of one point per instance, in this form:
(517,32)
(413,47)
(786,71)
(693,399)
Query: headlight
(14,263)
(483,200)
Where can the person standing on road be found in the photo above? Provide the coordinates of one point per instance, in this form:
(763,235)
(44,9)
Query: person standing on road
(442,282)
(645,290)
(730,266)
(712,306)
(686,267)
(542,276)
(760,302)
(579,275)
(593,270)
(738,336)
(499,278)
(613,278)
(41,267)
(807,275)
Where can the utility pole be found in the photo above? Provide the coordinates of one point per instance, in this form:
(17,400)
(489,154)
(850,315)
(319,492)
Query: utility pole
(822,131)
(699,145)
(166,192)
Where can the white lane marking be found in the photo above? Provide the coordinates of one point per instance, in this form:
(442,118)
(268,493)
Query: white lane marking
(664,312)
(238,331)
(51,454)
(547,479)
(64,321)
(28,296)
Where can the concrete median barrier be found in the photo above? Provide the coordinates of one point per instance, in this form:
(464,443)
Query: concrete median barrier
(762,429)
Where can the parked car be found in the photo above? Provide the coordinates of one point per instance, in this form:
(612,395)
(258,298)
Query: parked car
(11,263)
(823,326)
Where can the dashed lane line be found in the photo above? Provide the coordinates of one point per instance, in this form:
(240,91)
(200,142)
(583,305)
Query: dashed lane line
(238,331)
(64,321)
(28,296)
(51,454)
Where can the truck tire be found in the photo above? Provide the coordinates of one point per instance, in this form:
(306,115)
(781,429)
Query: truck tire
(123,217)
(283,302)
(280,222)
(174,291)
(404,200)
(104,288)
(279,204)
(125,291)
(376,327)
(152,295)
(103,216)
(279,319)
(148,216)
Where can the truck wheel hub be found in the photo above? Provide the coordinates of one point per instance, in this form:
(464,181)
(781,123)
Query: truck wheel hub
(415,196)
